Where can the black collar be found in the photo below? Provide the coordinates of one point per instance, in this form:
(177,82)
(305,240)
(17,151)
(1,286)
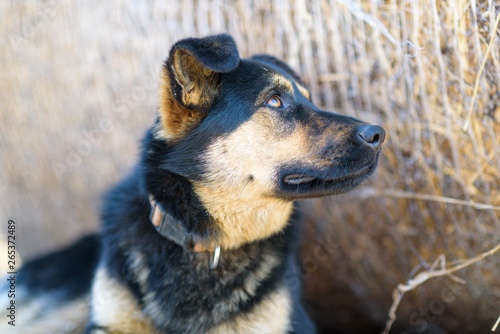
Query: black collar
(171,228)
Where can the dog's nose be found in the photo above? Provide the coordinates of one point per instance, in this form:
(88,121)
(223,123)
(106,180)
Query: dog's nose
(372,135)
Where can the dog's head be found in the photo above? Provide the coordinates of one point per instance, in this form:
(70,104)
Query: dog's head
(245,133)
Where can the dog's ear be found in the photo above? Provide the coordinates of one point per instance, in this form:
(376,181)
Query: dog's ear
(191,79)
(275,62)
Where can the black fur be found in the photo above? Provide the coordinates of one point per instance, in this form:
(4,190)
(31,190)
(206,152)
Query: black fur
(174,286)
(279,65)
(69,269)
(173,191)
(217,53)
(67,272)
(189,294)
(176,273)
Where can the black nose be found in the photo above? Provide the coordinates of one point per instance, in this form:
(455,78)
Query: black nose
(372,135)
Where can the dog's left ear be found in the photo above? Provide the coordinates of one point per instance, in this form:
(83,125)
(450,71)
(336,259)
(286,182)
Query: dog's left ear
(191,79)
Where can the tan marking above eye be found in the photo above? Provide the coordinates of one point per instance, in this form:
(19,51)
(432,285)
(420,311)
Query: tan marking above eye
(303,91)
(274,101)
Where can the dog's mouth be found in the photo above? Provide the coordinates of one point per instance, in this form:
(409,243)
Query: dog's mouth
(311,183)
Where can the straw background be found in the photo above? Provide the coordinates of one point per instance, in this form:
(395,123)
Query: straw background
(78,88)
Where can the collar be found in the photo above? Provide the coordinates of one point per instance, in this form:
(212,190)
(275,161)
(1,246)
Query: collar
(171,228)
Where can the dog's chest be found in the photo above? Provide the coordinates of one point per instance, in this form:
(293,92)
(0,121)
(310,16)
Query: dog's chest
(116,308)
(270,316)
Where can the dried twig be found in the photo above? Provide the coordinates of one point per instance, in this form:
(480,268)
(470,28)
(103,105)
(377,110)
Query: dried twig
(480,72)
(398,293)
(371,192)
(494,328)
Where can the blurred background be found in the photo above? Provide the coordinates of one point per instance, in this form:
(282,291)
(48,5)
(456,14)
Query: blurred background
(79,86)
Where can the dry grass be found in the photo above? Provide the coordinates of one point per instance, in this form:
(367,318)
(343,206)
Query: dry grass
(427,70)
(413,283)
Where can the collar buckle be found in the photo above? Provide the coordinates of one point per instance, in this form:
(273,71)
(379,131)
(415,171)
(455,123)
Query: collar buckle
(215,258)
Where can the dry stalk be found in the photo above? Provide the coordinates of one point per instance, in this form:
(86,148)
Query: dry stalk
(494,328)
(401,289)
(480,72)
(371,192)
(374,22)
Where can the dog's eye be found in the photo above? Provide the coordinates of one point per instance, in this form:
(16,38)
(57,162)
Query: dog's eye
(274,102)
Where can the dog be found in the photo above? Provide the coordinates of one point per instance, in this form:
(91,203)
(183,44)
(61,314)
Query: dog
(203,235)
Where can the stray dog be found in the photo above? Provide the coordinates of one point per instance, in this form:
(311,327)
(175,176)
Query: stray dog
(202,237)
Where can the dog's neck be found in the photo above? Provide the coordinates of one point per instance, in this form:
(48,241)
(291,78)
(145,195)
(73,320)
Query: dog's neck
(138,255)
(209,217)
(245,225)
(243,219)
(227,224)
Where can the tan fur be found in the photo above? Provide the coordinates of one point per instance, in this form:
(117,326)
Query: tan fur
(140,269)
(249,287)
(282,83)
(270,316)
(175,119)
(199,88)
(267,264)
(276,82)
(244,209)
(243,220)
(279,81)
(198,82)
(303,91)
(114,307)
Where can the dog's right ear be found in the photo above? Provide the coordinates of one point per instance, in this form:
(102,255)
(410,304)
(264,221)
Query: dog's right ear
(191,79)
